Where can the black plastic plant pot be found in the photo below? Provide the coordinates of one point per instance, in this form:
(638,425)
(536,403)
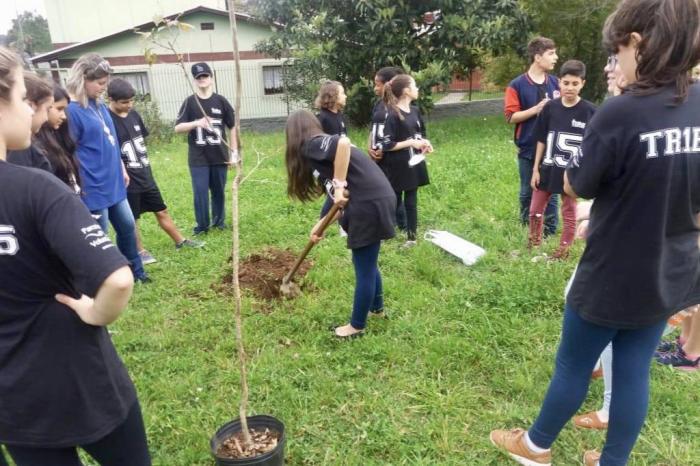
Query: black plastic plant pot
(274,457)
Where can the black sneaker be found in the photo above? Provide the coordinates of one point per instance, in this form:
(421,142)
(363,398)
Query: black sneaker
(144,279)
(678,360)
(668,346)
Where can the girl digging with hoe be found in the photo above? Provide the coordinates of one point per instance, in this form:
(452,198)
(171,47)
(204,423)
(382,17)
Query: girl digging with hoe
(367,217)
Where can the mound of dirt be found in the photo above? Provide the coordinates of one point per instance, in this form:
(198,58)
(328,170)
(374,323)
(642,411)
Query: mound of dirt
(262,273)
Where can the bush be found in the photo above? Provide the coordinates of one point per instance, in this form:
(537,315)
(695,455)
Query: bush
(361,98)
(159,130)
(499,71)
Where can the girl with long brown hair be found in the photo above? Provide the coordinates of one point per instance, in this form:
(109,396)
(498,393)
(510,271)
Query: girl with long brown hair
(57,144)
(315,159)
(640,161)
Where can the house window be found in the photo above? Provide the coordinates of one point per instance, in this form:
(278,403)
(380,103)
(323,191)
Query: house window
(206,26)
(137,79)
(272,80)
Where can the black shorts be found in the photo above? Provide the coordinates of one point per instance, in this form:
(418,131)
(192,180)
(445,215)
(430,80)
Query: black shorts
(147,201)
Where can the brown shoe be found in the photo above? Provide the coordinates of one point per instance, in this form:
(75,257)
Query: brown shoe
(513,443)
(562,253)
(591,458)
(590,421)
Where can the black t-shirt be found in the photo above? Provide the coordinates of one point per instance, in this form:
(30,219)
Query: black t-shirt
(61,380)
(379,116)
(205,147)
(401,175)
(560,129)
(332,123)
(131,132)
(29,157)
(365,180)
(640,160)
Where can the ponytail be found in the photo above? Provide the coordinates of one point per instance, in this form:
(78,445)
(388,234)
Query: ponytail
(389,99)
(393,90)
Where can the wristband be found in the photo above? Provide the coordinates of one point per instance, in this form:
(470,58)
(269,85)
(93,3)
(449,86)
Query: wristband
(339,184)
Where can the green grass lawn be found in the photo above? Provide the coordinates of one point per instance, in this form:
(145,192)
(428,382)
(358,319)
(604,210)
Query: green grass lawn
(466,349)
(484,95)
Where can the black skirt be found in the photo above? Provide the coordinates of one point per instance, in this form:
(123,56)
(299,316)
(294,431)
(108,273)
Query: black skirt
(402,176)
(370,221)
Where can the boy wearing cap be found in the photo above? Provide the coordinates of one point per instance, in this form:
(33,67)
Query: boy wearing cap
(208,156)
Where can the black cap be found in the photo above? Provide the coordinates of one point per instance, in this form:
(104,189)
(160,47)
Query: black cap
(199,69)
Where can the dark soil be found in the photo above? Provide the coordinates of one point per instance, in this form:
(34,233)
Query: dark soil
(262,442)
(262,273)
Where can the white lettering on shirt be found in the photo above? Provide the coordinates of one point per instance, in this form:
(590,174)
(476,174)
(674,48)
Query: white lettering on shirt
(578,124)
(8,241)
(675,141)
(87,230)
(215,111)
(695,147)
(94,231)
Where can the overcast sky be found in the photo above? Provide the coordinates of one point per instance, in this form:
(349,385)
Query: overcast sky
(10,8)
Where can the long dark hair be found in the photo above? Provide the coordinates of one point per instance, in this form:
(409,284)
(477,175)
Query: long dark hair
(670,45)
(58,145)
(302,125)
(387,73)
(393,90)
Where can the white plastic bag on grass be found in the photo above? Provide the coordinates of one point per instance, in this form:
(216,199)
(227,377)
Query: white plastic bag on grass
(467,252)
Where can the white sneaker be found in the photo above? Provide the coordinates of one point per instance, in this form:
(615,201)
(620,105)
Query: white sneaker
(147,258)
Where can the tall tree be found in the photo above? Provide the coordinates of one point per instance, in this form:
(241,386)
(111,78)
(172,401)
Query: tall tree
(30,33)
(349,41)
(575,26)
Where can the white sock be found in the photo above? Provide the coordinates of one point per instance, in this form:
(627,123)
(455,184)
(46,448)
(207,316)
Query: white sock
(533,448)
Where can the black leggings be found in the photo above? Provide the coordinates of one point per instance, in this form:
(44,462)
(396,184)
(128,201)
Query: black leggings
(410,202)
(124,446)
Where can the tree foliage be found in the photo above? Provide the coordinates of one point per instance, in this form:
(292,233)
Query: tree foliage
(575,26)
(349,41)
(30,33)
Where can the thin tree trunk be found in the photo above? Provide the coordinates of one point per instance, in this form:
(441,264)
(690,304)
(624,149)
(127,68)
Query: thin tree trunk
(235,254)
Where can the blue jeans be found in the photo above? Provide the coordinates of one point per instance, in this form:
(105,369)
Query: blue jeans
(122,219)
(551,218)
(368,284)
(580,346)
(205,179)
